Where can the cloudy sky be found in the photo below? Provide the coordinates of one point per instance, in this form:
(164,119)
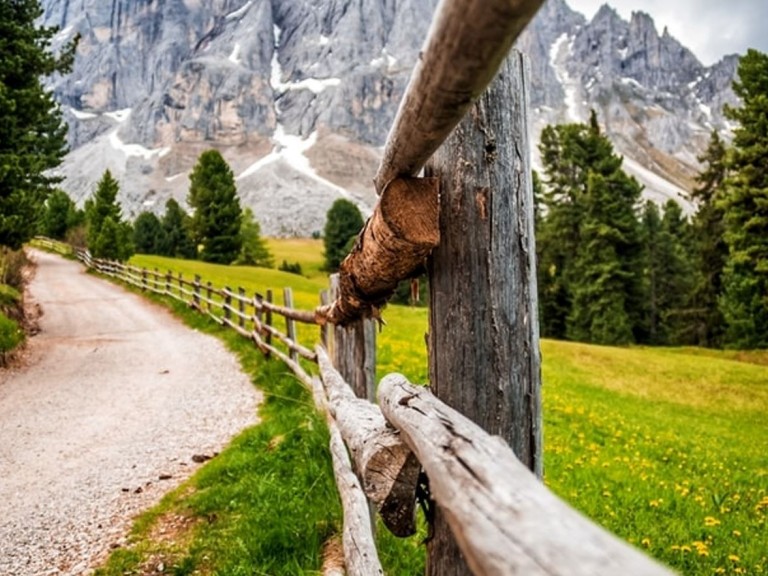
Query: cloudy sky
(710,28)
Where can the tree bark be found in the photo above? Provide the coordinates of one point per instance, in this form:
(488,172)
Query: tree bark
(483,343)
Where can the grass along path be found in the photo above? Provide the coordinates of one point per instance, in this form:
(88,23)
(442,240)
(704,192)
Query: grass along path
(668,448)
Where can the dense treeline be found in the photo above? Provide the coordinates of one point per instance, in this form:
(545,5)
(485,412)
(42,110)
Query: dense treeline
(613,270)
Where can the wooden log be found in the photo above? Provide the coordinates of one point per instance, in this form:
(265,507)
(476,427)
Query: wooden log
(504,519)
(483,330)
(353,350)
(392,246)
(467,43)
(386,466)
(360,555)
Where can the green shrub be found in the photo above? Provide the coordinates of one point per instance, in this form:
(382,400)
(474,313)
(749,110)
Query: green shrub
(290,267)
(11,334)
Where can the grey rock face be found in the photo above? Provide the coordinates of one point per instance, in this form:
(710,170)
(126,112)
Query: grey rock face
(299,94)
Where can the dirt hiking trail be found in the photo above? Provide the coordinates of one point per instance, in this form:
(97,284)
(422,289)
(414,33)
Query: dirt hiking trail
(102,417)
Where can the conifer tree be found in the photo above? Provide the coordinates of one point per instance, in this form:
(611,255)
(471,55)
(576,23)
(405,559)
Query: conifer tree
(669,273)
(59,215)
(176,240)
(217,214)
(706,320)
(254,251)
(343,222)
(744,302)
(148,234)
(590,261)
(101,208)
(32,134)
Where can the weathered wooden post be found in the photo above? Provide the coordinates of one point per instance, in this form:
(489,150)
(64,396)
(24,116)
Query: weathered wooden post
(227,303)
(143,279)
(353,351)
(181,287)
(324,328)
(196,296)
(290,323)
(268,317)
(168,278)
(241,307)
(483,339)
(209,295)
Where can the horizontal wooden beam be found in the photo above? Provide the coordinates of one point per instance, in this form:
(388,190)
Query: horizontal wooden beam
(504,519)
(386,466)
(466,44)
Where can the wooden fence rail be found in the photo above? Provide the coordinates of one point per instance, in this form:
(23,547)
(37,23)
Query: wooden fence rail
(505,520)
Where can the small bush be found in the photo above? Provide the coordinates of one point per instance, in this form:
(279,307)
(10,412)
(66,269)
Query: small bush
(11,335)
(291,267)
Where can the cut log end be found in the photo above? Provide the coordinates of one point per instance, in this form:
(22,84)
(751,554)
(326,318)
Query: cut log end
(392,246)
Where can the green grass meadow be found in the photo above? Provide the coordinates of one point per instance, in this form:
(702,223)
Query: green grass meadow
(667,448)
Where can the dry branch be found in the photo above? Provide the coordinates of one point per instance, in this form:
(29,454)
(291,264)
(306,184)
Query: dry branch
(504,519)
(388,469)
(466,44)
(391,247)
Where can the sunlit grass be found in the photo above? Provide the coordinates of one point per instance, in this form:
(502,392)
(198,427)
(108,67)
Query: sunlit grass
(665,447)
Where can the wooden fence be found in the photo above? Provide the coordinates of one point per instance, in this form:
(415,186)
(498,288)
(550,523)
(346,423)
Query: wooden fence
(504,519)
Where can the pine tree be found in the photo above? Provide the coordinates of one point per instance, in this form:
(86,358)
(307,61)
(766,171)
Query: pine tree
(254,251)
(669,273)
(706,320)
(32,135)
(177,240)
(602,283)
(148,234)
(218,216)
(59,215)
(589,243)
(744,302)
(101,208)
(343,223)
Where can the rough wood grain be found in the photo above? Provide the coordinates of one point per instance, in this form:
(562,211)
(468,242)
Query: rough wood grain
(388,470)
(391,247)
(360,555)
(483,334)
(466,44)
(504,519)
(353,351)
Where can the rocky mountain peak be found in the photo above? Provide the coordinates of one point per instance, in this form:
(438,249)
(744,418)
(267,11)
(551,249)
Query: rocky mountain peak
(299,94)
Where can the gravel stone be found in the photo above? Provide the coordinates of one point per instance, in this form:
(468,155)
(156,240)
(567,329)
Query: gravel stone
(112,394)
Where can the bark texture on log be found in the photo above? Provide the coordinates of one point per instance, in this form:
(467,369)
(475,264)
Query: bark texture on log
(360,554)
(393,244)
(467,43)
(504,519)
(386,466)
(483,337)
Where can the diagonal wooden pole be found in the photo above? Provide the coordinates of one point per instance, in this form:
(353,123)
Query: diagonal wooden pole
(466,44)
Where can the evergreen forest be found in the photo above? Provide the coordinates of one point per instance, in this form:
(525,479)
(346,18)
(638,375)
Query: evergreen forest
(616,270)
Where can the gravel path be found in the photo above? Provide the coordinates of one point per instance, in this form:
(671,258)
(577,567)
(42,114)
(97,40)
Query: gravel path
(102,418)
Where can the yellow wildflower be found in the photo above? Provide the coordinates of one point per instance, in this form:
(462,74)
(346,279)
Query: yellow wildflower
(733,558)
(711,521)
(646,542)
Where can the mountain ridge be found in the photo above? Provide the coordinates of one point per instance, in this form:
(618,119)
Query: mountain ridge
(299,95)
